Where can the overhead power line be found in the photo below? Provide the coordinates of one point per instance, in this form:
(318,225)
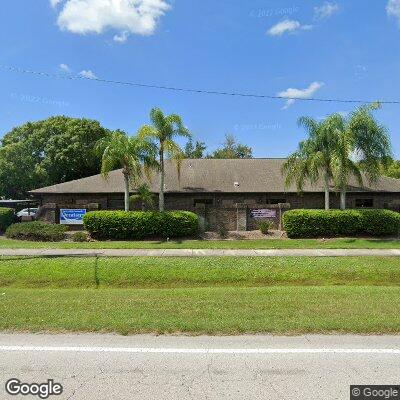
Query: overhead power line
(189,90)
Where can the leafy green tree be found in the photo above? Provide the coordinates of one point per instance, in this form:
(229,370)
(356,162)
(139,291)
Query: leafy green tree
(143,195)
(132,154)
(232,149)
(47,152)
(195,150)
(313,158)
(164,129)
(391,169)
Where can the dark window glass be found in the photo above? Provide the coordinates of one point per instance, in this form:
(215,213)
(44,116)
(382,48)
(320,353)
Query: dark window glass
(116,204)
(276,201)
(364,203)
(203,201)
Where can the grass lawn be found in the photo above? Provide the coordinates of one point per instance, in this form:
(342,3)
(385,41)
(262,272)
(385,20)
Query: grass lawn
(285,310)
(155,272)
(340,243)
(207,295)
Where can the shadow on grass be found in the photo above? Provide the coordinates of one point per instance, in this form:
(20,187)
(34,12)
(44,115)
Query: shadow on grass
(372,240)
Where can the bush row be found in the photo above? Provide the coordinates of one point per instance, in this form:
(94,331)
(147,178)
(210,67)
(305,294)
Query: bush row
(124,225)
(321,223)
(7,217)
(36,231)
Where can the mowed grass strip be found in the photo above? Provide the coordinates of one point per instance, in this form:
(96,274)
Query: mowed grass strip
(155,272)
(203,310)
(335,243)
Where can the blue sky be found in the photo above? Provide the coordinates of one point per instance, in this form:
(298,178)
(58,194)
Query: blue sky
(326,49)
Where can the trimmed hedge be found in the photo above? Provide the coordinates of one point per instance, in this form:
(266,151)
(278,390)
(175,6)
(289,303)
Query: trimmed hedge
(36,231)
(125,225)
(7,217)
(322,223)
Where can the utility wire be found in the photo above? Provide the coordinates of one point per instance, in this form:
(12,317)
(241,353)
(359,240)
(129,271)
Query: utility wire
(188,90)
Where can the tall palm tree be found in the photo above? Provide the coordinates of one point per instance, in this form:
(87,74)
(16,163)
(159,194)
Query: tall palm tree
(339,148)
(133,154)
(343,163)
(372,143)
(313,157)
(361,144)
(164,129)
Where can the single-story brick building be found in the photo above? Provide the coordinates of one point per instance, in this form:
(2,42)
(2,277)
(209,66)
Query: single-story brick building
(235,193)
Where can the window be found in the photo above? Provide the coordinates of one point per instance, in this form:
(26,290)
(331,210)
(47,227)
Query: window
(203,201)
(116,204)
(364,203)
(276,201)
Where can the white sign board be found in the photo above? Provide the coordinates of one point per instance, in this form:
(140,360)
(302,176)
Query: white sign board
(263,213)
(72,217)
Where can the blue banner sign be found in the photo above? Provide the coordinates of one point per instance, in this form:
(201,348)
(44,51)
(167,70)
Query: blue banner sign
(72,217)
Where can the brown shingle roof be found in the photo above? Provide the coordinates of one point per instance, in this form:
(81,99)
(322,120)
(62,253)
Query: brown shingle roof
(209,175)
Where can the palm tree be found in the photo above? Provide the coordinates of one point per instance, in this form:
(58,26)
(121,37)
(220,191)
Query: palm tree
(342,163)
(143,195)
(372,142)
(339,148)
(312,158)
(163,130)
(133,154)
(361,144)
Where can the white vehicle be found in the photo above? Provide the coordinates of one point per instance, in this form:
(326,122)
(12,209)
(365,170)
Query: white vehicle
(27,212)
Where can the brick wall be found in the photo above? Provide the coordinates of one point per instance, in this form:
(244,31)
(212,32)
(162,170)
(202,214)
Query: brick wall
(219,209)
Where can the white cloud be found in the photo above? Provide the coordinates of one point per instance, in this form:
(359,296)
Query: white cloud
(122,37)
(54,3)
(125,16)
(65,68)
(87,74)
(393,9)
(326,10)
(287,26)
(292,94)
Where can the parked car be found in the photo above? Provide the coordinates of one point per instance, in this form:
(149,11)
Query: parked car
(27,213)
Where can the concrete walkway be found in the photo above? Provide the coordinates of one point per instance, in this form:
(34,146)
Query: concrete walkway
(199,252)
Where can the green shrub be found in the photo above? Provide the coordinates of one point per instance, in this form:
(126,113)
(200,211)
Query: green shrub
(321,223)
(264,227)
(36,231)
(140,224)
(80,236)
(380,222)
(7,217)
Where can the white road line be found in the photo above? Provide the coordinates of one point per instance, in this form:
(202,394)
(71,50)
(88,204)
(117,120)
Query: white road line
(150,350)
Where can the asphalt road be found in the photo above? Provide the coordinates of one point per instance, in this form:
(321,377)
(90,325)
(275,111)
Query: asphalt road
(247,367)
